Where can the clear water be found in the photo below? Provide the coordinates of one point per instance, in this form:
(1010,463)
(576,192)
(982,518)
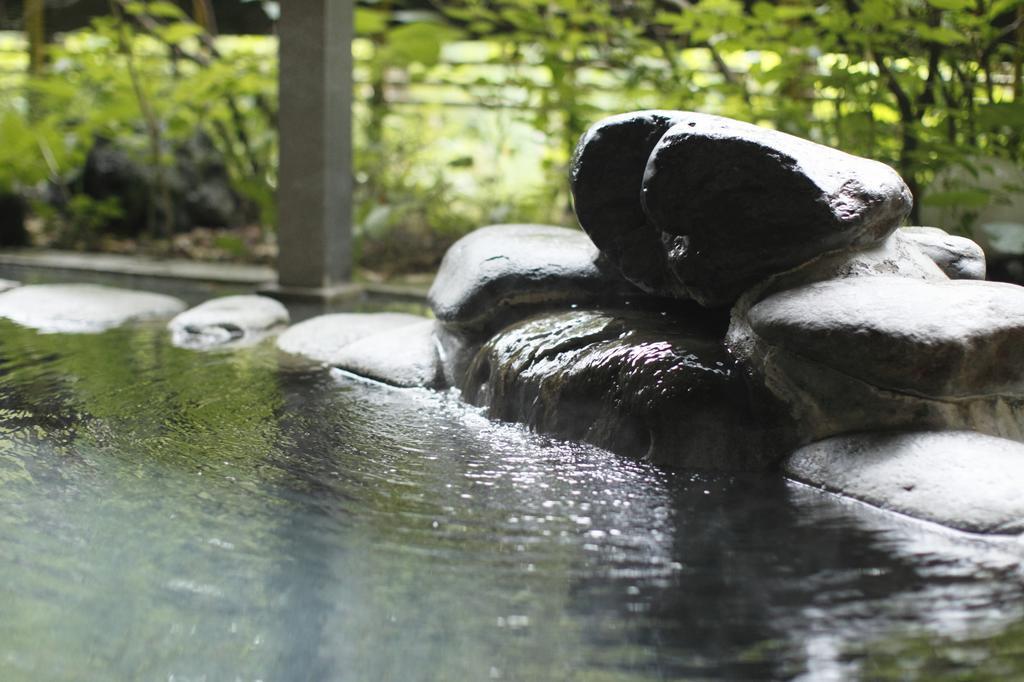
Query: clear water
(172,515)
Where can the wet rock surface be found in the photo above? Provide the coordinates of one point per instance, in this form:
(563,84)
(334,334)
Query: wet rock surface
(738,202)
(961,479)
(502,273)
(322,338)
(957,257)
(230,319)
(640,384)
(406,357)
(82,308)
(948,339)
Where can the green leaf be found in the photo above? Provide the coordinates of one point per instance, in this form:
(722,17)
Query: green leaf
(160,9)
(370,21)
(417,43)
(951,4)
(965,198)
(940,34)
(179,32)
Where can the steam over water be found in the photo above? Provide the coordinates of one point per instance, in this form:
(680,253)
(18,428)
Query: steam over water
(166,514)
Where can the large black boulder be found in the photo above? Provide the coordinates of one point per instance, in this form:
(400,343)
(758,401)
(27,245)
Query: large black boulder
(606,177)
(721,204)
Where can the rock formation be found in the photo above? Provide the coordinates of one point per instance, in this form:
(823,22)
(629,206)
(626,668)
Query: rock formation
(746,301)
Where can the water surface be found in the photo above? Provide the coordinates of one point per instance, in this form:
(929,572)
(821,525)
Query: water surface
(173,515)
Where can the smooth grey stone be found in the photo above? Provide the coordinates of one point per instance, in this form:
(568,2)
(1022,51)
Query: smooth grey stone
(8,284)
(961,479)
(660,388)
(606,174)
(737,203)
(949,339)
(958,257)
(230,319)
(322,338)
(502,273)
(406,357)
(82,308)
(887,352)
(897,255)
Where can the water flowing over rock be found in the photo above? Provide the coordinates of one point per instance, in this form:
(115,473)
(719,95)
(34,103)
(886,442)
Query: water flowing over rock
(636,382)
(8,284)
(230,319)
(958,257)
(500,274)
(82,308)
(961,479)
(323,338)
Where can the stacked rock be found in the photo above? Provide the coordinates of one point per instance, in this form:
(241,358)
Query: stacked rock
(746,300)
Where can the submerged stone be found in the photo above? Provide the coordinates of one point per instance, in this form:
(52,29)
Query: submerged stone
(961,479)
(406,357)
(230,319)
(606,176)
(736,202)
(82,308)
(639,383)
(322,338)
(502,273)
(958,257)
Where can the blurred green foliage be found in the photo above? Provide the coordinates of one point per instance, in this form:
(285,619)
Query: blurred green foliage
(456,105)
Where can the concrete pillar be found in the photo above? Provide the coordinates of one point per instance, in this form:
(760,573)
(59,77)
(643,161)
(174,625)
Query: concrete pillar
(314,193)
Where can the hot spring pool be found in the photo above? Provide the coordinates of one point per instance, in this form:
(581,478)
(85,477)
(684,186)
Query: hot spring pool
(173,515)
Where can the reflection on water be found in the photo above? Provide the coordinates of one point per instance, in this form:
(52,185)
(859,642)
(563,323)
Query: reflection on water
(172,515)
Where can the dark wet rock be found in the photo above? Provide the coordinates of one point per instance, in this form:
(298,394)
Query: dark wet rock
(961,479)
(13,211)
(456,351)
(82,308)
(736,203)
(499,274)
(868,353)
(406,357)
(897,255)
(644,385)
(957,257)
(606,177)
(228,320)
(322,338)
(941,339)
